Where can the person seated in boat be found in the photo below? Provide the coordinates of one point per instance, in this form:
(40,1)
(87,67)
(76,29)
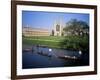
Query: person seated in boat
(80,52)
(49,54)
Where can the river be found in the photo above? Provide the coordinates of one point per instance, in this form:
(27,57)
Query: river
(44,57)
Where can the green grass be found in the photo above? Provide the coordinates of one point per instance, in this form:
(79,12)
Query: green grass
(50,41)
(55,38)
(68,42)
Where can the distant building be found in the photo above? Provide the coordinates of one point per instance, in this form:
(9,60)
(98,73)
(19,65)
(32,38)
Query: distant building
(29,31)
(58,28)
(56,31)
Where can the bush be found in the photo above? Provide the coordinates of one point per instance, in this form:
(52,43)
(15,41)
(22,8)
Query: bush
(75,43)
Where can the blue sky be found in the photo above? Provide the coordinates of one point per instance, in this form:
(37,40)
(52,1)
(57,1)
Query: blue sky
(46,20)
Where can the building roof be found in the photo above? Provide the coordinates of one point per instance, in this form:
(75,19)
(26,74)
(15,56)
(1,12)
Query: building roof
(35,29)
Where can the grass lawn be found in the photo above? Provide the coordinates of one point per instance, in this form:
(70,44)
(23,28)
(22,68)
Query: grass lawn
(68,42)
(50,41)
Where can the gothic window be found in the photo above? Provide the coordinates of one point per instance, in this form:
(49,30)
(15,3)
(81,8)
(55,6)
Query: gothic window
(57,27)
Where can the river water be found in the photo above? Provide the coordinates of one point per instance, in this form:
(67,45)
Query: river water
(32,58)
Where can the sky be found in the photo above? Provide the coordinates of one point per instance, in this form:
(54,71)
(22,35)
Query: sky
(45,20)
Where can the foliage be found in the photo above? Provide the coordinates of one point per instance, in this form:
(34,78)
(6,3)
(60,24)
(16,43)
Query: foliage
(52,33)
(76,27)
(76,43)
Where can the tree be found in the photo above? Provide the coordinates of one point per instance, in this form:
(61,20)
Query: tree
(52,33)
(75,27)
(77,37)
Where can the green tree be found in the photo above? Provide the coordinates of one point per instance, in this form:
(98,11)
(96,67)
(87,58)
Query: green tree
(75,27)
(77,37)
(52,33)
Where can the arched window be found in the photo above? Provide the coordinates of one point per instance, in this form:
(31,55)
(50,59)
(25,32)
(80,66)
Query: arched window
(57,27)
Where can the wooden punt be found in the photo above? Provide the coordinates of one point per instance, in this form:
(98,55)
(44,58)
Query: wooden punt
(68,57)
(27,50)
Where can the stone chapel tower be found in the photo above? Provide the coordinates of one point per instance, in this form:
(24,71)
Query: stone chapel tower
(58,28)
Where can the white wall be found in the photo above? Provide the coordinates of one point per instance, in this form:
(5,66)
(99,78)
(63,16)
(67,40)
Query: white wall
(5,43)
